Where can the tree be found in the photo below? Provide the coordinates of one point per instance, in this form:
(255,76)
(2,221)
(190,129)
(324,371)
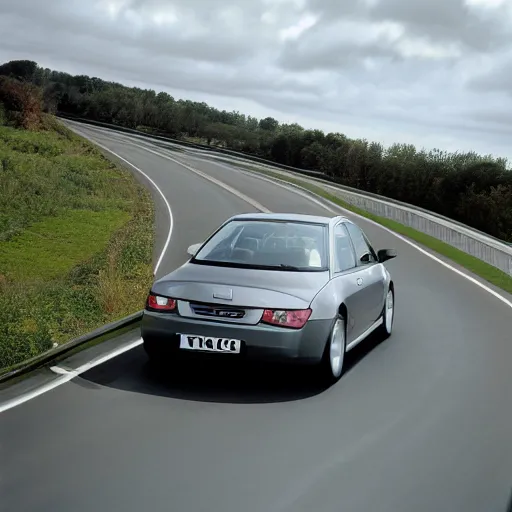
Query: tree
(468,187)
(23,70)
(269,124)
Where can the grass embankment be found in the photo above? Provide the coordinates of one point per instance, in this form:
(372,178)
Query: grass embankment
(76,239)
(478,267)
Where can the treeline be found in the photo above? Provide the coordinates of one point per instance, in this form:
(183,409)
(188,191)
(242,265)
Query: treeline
(470,188)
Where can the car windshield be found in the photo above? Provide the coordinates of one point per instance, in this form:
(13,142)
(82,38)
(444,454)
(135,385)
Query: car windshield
(268,245)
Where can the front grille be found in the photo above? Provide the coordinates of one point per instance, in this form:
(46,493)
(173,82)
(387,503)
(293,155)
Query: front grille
(217,311)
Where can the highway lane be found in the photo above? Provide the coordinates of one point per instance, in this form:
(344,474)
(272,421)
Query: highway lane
(200,208)
(421,422)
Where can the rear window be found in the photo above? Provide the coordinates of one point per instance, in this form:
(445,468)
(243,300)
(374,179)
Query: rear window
(267,245)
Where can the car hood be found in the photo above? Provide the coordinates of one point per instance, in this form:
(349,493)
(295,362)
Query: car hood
(247,287)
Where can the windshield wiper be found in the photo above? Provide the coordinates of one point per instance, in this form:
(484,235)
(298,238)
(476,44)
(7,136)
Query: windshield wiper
(288,267)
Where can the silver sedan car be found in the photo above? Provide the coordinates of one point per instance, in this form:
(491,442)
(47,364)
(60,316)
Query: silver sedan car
(276,287)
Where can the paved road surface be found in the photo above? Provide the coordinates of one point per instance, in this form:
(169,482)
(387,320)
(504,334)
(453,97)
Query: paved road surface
(422,422)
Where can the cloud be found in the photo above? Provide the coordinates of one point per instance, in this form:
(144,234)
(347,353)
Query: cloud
(494,75)
(434,72)
(446,21)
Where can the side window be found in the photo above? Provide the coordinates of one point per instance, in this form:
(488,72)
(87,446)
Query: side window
(343,251)
(364,252)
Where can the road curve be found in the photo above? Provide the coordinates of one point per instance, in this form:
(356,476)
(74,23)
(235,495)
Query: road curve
(422,422)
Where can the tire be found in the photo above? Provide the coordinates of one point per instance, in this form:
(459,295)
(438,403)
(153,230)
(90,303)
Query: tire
(388,315)
(333,359)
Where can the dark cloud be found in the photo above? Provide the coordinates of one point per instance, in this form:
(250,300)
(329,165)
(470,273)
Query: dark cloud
(437,20)
(445,20)
(337,56)
(348,33)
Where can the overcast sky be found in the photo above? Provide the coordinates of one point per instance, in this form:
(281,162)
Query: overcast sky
(436,73)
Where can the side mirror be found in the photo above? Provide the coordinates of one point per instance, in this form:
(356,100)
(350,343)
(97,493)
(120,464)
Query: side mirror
(366,258)
(192,250)
(386,254)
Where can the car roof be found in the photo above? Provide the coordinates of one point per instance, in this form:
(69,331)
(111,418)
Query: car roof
(291,217)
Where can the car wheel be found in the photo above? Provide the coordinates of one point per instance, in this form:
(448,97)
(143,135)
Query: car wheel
(388,315)
(333,359)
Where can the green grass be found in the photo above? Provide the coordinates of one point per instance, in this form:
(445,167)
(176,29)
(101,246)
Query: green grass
(65,240)
(76,240)
(478,267)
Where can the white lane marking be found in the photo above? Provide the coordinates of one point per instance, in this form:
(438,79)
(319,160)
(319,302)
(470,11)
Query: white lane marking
(282,184)
(157,188)
(35,393)
(295,188)
(221,184)
(59,370)
(103,359)
(66,375)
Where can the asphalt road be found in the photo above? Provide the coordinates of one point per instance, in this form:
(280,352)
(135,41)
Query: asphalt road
(422,422)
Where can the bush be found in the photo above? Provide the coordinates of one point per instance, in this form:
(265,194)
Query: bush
(22,103)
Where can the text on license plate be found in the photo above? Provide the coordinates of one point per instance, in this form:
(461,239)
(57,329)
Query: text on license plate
(209,344)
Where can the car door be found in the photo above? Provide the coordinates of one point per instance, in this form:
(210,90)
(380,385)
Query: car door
(346,275)
(370,277)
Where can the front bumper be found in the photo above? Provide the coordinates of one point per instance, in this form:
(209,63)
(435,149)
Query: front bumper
(259,342)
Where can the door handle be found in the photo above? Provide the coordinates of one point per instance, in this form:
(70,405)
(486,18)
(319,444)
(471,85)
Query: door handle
(359,281)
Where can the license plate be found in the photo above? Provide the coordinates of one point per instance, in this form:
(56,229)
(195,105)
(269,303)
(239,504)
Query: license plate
(209,344)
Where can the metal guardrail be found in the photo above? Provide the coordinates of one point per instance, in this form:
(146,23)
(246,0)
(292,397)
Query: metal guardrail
(204,147)
(489,249)
(475,243)
(47,357)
